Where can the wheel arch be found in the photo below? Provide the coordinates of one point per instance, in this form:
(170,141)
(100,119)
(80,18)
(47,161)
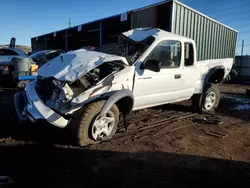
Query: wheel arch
(124,99)
(215,75)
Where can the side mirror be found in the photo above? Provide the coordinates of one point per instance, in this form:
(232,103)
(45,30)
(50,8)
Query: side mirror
(152,65)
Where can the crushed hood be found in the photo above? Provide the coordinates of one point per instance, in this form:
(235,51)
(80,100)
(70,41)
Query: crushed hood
(72,65)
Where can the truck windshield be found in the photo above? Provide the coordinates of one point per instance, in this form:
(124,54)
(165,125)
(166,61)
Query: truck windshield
(126,47)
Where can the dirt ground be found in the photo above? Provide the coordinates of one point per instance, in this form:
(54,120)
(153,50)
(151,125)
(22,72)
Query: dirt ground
(166,146)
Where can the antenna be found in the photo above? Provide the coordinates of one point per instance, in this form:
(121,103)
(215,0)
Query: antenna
(69,22)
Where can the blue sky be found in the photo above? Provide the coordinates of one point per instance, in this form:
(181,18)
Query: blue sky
(28,18)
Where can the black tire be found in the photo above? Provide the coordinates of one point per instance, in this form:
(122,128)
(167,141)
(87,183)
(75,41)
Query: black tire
(199,100)
(82,122)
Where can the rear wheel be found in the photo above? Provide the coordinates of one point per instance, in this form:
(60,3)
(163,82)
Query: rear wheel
(88,128)
(208,100)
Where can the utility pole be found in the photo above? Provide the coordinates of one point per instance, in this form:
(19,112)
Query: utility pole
(242,48)
(241,58)
(69,22)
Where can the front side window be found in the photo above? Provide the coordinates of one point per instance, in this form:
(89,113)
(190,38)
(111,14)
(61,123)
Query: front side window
(168,53)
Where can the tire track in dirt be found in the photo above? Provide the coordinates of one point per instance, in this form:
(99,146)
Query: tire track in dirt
(149,129)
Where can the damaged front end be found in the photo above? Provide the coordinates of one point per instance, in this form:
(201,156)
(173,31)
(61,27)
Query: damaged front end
(65,97)
(29,106)
(55,100)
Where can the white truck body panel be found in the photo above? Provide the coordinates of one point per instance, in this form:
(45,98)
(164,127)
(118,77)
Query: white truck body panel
(162,88)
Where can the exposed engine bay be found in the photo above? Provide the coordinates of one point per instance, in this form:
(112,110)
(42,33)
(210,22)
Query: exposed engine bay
(57,94)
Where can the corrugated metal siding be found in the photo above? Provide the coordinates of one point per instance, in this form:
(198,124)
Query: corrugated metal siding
(164,16)
(144,18)
(213,40)
(242,65)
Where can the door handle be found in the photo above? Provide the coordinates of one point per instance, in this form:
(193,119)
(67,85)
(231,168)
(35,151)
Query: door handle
(177,76)
(145,78)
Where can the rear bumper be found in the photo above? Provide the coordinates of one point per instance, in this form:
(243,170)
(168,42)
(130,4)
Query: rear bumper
(28,105)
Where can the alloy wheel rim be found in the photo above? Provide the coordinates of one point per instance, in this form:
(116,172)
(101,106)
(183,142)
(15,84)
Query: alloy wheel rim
(210,100)
(103,127)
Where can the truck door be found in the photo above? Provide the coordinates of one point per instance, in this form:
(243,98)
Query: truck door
(191,74)
(155,88)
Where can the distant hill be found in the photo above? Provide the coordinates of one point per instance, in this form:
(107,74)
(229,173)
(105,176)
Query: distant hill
(24,48)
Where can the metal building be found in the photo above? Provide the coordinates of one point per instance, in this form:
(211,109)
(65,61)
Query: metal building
(242,65)
(214,40)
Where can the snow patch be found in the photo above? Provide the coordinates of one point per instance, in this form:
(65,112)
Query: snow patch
(240,102)
(245,106)
(237,99)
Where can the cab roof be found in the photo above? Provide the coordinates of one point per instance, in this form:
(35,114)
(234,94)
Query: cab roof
(139,34)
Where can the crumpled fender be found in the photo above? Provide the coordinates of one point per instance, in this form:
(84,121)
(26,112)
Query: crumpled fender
(114,98)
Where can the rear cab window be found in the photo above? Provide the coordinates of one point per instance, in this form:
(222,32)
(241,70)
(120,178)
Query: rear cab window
(188,54)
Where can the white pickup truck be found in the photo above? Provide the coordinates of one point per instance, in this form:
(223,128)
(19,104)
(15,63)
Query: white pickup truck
(87,90)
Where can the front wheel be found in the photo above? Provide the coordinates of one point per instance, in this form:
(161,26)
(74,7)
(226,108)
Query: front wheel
(208,100)
(88,128)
